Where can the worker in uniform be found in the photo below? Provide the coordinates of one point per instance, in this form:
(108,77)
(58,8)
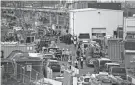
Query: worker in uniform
(67,57)
(70,59)
(63,54)
(81,62)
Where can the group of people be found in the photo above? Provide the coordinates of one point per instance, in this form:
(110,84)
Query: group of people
(66,55)
(79,58)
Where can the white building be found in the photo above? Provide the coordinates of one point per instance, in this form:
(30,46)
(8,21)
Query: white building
(97,22)
(129,27)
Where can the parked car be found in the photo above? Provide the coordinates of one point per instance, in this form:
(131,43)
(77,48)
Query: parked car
(54,65)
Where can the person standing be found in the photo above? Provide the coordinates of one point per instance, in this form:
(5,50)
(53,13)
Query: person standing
(62,69)
(81,62)
(63,55)
(76,63)
(75,43)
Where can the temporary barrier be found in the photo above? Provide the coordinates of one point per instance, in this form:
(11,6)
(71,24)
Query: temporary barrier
(67,80)
(75,80)
(131,79)
(49,73)
(115,48)
(75,70)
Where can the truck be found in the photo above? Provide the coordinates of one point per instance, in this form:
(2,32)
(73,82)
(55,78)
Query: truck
(115,49)
(119,72)
(92,53)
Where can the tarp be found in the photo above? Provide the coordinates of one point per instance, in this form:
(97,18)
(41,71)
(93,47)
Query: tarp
(46,81)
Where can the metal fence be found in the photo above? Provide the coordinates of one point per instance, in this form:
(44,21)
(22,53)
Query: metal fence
(23,76)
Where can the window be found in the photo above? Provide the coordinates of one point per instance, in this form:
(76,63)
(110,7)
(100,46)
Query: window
(56,27)
(53,64)
(86,79)
(59,27)
(61,20)
(30,39)
(109,66)
(102,63)
(85,45)
(118,70)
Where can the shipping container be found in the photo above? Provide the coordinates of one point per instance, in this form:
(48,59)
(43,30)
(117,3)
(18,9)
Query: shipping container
(8,48)
(115,49)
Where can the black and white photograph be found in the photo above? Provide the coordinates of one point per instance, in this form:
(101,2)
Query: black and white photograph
(67,42)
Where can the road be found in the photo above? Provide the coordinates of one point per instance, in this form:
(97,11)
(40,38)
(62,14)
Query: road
(85,70)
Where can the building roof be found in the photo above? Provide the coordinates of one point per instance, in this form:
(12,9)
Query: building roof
(112,63)
(5,60)
(11,55)
(130,51)
(107,5)
(23,56)
(84,36)
(93,9)
(104,59)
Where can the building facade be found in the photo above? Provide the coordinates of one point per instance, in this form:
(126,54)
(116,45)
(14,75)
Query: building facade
(96,22)
(129,27)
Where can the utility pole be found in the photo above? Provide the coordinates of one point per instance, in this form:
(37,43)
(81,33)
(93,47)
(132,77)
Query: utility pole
(23,74)
(73,23)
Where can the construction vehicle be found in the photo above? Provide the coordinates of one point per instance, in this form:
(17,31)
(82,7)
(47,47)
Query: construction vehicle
(92,53)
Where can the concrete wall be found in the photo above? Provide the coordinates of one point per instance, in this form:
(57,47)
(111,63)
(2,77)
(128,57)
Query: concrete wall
(86,19)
